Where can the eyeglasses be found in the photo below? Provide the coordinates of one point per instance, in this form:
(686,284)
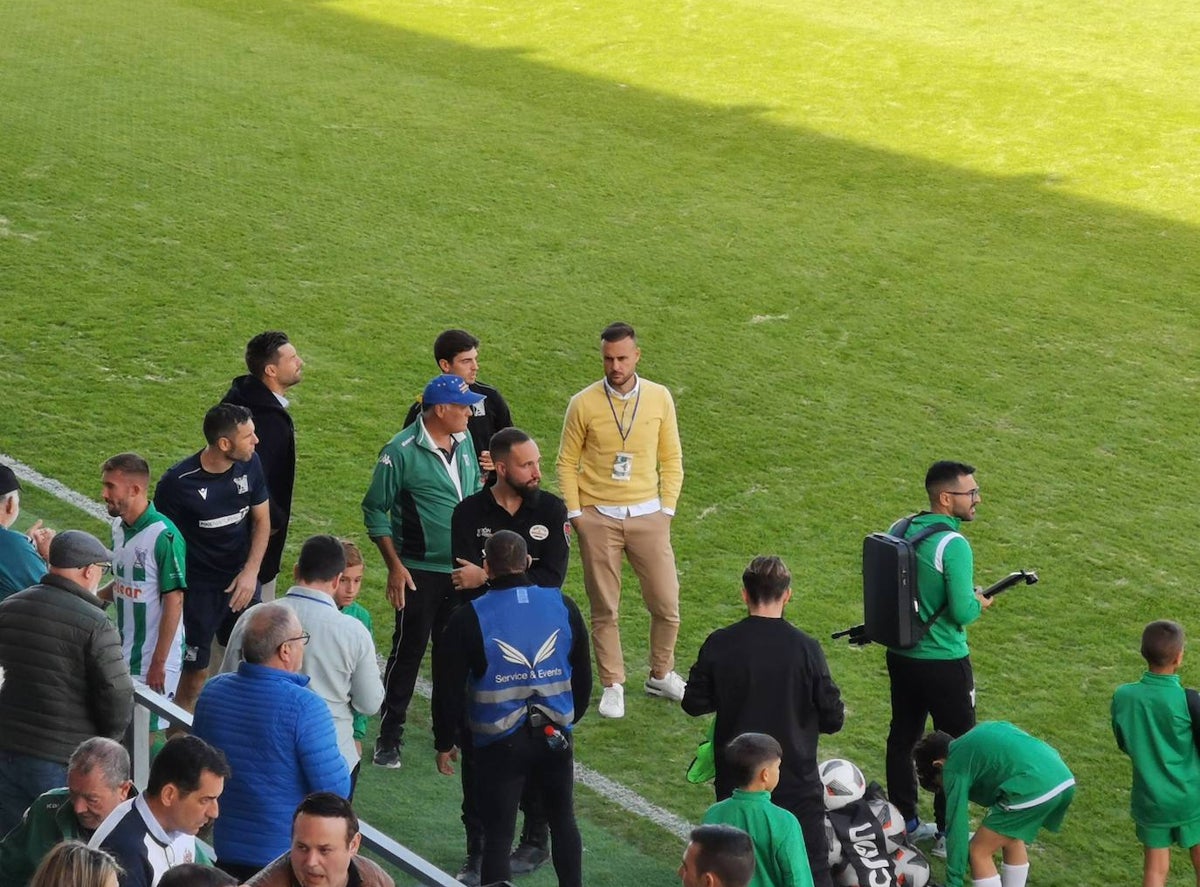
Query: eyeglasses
(303,638)
(974,494)
(106,566)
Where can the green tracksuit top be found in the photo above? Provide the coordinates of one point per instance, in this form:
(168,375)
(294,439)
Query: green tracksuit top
(945,572)
(780,859)
(413,493)
(1151,723)
(995,764)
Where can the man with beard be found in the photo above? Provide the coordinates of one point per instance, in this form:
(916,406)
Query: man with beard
(149,578)
(218,499)
(273,368)
(514,503)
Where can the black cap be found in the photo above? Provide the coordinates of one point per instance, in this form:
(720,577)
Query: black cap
(8,481)
(72,549)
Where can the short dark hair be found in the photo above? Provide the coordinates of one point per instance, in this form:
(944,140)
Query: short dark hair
(193,874)
(263,350)
(181,762)
(223,421)
(506,553)
(127,463)
(504,440)
(452,343)
(617,331)
(268,627)
(932,747)
(322,557)
(766,579)
(102,754)
(748,753)
(327,805)
(1162,641)
(726,852)
(942,474)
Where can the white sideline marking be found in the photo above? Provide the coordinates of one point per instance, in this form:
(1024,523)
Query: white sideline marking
(607,788)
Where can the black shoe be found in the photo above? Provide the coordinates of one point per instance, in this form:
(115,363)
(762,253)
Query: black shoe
(387,754)
(469,874)
(527,858)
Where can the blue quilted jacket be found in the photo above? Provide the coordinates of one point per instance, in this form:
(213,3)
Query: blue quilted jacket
(279,738)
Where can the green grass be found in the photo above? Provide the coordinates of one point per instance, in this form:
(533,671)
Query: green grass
(853,239)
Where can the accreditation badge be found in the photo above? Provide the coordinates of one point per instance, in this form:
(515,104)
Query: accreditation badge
(622,469)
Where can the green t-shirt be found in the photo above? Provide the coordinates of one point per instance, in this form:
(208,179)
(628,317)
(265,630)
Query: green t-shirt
(780,859)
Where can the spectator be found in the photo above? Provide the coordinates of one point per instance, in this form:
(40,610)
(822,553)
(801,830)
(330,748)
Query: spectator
(65,677)
(340,658)
(218,500)
(75,864)
(22,557)
(325,842)
(157,830)
(273,368)
(347,601)
(278,735)
(97,781)
(717,856)
(193,874)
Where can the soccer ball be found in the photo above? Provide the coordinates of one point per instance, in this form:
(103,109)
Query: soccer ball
(835,846)
(912,868)
(891,820)
(843,783)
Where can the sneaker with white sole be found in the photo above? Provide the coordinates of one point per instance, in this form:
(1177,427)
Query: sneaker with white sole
(939,847)
(669,686)
(612,702)
(925,831)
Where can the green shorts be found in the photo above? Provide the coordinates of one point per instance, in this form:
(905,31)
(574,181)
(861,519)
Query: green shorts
(1025,822)
(1158,837)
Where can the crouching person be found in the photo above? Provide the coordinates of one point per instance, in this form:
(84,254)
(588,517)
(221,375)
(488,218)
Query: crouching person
(1021,780)
(325,843)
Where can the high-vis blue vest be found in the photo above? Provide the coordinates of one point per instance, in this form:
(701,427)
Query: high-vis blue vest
(527,641)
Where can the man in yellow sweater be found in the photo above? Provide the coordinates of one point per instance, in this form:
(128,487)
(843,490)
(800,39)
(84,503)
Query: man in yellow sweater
(620,469)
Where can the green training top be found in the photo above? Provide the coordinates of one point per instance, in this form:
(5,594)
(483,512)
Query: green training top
(359,612)
(780,859)
(1151,723)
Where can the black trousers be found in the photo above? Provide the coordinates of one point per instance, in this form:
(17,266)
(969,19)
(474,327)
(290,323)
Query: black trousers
(503,768)
(943,688)
(536,830)
(425,614)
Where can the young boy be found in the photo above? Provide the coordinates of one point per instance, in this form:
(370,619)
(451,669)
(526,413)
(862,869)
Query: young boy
(779,854)
(346,599)
(1151,723)
(1021,780)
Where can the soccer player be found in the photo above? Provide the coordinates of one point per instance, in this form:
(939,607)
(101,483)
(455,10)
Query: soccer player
(149,576)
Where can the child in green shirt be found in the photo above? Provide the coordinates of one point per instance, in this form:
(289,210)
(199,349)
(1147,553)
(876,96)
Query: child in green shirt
(1152,725)
(779,854)
(346,599)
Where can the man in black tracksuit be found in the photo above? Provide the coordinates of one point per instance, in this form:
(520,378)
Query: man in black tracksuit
(514,503)
(531,642)
(762,675)
(274,368)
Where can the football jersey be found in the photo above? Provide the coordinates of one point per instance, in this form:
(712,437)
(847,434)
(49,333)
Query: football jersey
(212,511)
(148,563)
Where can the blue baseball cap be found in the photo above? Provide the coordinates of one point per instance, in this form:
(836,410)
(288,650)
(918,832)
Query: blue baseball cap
(449,389)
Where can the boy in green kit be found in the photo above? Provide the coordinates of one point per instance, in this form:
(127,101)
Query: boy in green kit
(779,854)
(346,599)
(1021,780)
(1152,725)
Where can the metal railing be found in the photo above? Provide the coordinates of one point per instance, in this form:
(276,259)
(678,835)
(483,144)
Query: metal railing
(148,703)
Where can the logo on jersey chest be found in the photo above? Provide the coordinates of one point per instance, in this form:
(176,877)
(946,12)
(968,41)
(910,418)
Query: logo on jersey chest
(242,484)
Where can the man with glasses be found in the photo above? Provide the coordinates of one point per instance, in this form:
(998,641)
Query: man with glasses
(65,679)
(934,677)
(279,738)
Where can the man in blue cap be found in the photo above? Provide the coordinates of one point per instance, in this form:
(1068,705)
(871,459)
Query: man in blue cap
(421,475)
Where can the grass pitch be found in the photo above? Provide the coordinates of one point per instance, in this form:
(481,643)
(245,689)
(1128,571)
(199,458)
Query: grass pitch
(853,239)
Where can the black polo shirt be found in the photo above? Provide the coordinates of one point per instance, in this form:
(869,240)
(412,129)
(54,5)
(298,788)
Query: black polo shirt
(541,521)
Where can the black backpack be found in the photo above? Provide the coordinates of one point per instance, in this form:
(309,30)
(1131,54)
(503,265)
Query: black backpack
(891,599)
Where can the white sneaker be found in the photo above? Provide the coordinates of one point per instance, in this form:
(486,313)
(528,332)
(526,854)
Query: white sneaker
(669,686)
(925,831)
(939,847)
(612,702)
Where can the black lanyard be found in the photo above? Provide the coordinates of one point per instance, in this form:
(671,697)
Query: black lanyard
(621,430)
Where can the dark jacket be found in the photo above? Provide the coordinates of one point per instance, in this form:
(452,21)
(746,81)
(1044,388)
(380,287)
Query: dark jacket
(65,679)
(277,451)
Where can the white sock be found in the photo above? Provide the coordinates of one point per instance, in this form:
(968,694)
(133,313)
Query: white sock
(1013,875)
(993,881)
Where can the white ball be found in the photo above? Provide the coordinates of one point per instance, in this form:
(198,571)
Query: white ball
(891,820)
(912,868)
(835,846)
(843,783)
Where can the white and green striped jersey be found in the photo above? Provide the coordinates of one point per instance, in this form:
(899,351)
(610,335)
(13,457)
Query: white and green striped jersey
(148,563)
